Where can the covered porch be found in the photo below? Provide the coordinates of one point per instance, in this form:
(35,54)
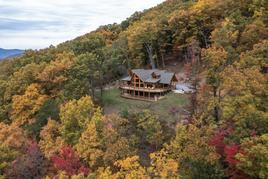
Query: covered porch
(143,95)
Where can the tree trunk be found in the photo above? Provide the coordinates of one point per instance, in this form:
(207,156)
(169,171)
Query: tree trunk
(128,62)
(163,60)
(216,108)
(101,89)
(205,39)
(92,90)
(157,62)
(149,50)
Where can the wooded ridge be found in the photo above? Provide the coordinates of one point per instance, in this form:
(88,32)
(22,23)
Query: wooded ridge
(52,122)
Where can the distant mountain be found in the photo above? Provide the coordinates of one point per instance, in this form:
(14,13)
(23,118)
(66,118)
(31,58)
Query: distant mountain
(8,53)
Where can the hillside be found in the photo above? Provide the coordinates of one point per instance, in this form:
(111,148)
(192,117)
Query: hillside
(9,53)
(54,101)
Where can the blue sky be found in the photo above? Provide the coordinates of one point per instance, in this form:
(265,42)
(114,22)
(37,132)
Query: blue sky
(37,24)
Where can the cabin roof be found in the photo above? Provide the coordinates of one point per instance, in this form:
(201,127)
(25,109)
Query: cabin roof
(147,76)
(152,80)
(143,74)
(166,77)
(127,78)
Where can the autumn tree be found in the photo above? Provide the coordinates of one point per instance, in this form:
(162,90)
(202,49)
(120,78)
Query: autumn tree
(104,141)
(74,116)
(69,162)
(120,51)
(245,95)
(257,57)
(21,79)
(13,141)
(7,156)
(89,146)
(98,67)
(252,159)
(162,166)
(89,44)
(12,136)
(24,107)
(142,38)
(81,80)
(30,165)
(150,129)
(130,168)
(92,52)
(216,60)
(3,104)
(254,33)
(196,158)
(53,75)
(44,95)
(118,141)
(50,140)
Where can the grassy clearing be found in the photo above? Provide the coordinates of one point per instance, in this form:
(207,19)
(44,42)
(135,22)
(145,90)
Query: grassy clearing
(113,103)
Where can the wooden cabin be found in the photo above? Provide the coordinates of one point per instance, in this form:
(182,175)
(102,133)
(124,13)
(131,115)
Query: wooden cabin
(148,85)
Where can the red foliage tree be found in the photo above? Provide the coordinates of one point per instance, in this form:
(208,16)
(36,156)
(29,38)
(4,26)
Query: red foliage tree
(32,164)
(69,162)
(217,139)
(230,151)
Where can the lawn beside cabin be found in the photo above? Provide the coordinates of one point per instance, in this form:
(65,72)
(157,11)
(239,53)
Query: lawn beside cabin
(170,108)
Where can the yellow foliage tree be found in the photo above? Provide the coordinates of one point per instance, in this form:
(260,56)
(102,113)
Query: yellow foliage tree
(130,168)
(74,117)
(216,60)
(162,166)
(190,148)
(24,107)
(89,145)
(54,75)
(12,136)
(51,142)
(253,159)
(12,142)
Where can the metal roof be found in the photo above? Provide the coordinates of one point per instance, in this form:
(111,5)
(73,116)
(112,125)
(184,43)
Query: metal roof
(152,80)
(127,78)
(146,76)
(166,77)
(143,74)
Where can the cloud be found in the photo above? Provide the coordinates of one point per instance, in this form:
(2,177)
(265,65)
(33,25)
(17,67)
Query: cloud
(40,23)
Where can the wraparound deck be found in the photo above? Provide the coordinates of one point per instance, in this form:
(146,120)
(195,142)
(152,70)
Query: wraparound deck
(152,90)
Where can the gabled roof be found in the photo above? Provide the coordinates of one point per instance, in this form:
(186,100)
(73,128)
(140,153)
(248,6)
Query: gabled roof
(147,76)
(127,78)
(152,80)
(166,77)
(143,74)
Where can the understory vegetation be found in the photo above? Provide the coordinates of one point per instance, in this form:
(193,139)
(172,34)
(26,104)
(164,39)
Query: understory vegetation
(52,101)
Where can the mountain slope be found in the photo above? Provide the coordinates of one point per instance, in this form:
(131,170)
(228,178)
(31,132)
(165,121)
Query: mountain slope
(8,53)
(51,96)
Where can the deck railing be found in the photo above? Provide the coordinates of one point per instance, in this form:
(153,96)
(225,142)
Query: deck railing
(145,89)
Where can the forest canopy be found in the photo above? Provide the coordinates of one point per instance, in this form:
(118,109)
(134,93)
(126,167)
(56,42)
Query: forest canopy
(52,122)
